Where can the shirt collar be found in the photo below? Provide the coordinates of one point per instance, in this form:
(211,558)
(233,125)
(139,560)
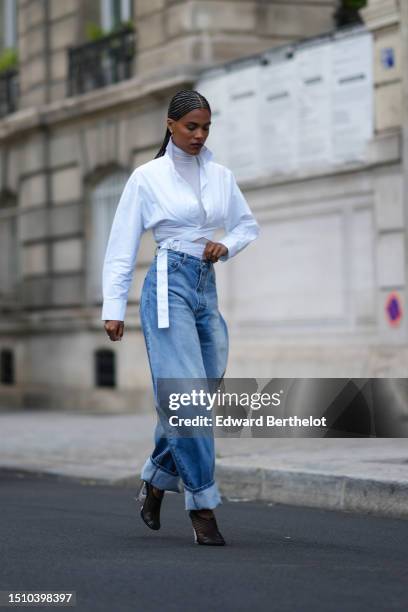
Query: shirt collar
(204,156)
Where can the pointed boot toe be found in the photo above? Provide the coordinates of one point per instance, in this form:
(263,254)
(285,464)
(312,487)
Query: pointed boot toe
(206,530)
(150,510)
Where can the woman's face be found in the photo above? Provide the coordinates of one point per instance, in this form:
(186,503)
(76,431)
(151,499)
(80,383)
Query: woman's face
(191,131)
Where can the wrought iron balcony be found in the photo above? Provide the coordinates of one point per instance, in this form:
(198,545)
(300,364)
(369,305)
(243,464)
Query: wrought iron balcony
(101,62)
(9,88)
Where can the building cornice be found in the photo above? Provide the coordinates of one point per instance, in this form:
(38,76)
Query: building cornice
(381,14)
(97,101)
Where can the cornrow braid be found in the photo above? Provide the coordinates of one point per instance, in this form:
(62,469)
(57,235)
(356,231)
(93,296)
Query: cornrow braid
(182,103)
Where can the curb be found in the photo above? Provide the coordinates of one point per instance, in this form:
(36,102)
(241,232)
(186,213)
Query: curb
(24,472)
(292,488)
(315,490)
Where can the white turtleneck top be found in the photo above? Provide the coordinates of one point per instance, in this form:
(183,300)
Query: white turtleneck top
(188,166)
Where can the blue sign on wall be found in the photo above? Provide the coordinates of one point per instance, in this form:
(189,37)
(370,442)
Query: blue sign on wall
(388,58)
(393,308)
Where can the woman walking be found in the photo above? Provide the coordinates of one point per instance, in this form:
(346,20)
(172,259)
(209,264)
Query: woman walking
(183,196)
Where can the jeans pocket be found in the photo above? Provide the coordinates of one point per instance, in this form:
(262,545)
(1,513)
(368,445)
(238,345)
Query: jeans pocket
(174,262)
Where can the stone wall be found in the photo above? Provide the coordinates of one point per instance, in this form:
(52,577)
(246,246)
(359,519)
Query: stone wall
(382,17)
(203,33)
(45,29)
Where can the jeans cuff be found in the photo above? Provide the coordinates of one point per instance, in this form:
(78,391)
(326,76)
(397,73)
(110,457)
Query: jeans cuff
(159,478)
(206,498)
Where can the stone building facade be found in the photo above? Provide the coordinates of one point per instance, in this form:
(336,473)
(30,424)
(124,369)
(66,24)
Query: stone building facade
(356,325)
(86,113)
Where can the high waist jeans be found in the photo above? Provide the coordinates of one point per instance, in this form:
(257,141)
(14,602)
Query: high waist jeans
(195,345)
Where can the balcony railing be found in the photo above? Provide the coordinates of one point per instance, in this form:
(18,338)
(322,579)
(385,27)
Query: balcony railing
(101,62)
(8,92)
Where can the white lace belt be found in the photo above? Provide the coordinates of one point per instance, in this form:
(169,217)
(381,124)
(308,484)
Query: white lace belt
(185,246)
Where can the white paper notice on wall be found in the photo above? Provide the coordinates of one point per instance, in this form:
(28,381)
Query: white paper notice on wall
(352,98)
(277,117)
(242,137)
(314,109)
(311,107)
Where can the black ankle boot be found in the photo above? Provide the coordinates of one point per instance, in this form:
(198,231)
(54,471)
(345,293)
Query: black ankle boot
(205,530)
(150,511)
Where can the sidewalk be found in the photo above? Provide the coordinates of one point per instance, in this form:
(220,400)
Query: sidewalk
(364,475)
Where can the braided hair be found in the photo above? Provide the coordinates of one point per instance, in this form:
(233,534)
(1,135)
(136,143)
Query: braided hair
(182,103)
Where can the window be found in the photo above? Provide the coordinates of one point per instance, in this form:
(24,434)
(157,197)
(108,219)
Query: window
(9,251)
(9,85)
(6,367)
(8,24)
(113,12)
(107,46)
(103,203)
(105,14)
(105,375)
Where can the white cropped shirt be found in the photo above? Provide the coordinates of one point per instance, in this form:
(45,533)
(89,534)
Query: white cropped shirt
(157,197)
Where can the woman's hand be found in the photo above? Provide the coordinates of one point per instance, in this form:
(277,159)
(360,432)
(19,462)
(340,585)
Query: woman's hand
(114,329)
(214,250)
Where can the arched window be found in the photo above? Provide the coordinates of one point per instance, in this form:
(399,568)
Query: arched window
(105,368)
(104,199)
(6,367)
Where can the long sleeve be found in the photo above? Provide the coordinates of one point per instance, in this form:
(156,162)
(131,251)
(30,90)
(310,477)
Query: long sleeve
(240,223)
(121,251)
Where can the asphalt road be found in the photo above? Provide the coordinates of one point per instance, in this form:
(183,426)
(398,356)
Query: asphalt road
(62,535)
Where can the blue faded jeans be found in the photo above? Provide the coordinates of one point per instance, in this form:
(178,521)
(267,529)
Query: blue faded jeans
(195,345)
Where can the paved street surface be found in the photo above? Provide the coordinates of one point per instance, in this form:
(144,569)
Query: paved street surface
(338,473)
(61,535)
